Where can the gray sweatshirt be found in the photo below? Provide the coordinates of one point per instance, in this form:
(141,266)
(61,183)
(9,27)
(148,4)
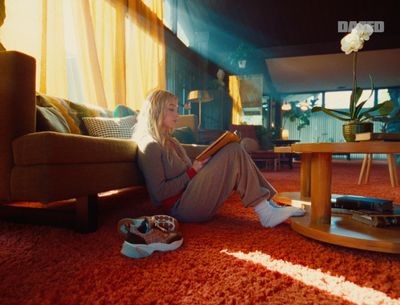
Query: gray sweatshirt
(163,179)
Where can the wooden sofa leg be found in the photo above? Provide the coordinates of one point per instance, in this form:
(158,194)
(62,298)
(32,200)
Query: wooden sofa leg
(86,214)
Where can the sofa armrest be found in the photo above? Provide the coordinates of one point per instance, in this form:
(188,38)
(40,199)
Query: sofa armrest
(17,108)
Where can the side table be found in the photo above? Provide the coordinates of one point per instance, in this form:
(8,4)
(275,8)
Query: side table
(285,157)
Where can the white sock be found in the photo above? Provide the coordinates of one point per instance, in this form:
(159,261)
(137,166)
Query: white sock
(271,215)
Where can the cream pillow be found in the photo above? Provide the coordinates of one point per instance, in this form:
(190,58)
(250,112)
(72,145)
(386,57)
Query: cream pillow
(110,127)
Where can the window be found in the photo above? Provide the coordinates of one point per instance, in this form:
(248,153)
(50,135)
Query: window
(252,116)
(304,100)
(182,35)
(383,95)
(175,18)
(168,15)
(341,99)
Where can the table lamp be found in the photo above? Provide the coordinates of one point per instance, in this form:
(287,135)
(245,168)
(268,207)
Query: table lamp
(285,134)
(199,96)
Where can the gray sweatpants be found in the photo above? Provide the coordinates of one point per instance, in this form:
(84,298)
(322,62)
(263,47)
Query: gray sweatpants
(231,169)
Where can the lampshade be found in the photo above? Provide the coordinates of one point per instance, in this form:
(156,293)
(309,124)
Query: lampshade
(285,134)
(286,106)
(304,106)
(195,95)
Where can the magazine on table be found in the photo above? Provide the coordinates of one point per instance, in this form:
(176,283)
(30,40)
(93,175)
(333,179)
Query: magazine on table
(378,219)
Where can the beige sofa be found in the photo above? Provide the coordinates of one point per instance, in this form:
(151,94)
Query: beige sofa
(51,166)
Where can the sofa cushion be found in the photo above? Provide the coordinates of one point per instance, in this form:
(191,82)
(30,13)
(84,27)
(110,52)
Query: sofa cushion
(61,148)
(50,119)
(110,127)
(184,135)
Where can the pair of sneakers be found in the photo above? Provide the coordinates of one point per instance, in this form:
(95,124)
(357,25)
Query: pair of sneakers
(147,234)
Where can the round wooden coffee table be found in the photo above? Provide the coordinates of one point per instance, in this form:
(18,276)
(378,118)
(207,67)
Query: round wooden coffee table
(315,193)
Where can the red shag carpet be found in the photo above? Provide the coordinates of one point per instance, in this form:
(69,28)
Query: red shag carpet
(229,260)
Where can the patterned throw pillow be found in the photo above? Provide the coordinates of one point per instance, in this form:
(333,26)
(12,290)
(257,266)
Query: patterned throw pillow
(110,127)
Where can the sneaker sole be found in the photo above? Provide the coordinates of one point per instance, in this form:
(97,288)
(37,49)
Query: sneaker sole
(142,250)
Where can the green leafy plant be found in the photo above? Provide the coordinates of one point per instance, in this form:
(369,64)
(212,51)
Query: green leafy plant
(299,114)
(393,117)
(353,42)
(265,136)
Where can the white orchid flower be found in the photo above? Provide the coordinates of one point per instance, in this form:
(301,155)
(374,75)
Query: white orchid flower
(351,43)
(363,30)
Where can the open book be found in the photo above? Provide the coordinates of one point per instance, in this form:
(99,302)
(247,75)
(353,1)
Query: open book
(214,147)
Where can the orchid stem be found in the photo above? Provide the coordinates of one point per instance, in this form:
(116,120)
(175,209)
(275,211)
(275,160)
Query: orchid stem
(354,77)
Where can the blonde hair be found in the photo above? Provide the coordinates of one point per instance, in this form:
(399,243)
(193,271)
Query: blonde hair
(151,118)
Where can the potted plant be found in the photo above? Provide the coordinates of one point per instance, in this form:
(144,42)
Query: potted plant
(299,111)
(357,118)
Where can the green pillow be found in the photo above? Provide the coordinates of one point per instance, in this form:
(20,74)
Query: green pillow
(50,119)
(122,111)
(184,135)
(62,106)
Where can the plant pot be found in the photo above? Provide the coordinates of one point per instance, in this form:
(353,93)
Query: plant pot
(350,129)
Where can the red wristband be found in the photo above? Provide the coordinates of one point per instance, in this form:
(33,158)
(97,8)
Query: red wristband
(191,172)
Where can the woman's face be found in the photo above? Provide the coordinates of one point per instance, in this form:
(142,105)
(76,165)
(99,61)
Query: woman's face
(171,115)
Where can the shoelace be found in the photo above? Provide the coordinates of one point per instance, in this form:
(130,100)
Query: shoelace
(157,225)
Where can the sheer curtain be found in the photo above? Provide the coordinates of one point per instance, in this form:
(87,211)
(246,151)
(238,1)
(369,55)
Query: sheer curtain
(103,52)
(234,92)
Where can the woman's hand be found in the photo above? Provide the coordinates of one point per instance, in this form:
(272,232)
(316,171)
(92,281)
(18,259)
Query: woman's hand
(198,165)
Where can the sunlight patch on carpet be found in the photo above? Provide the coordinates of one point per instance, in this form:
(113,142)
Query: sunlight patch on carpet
(334,285)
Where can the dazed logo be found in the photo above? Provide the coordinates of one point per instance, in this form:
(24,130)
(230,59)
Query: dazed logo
(347,26)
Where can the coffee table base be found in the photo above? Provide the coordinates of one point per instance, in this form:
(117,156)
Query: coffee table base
(342,231)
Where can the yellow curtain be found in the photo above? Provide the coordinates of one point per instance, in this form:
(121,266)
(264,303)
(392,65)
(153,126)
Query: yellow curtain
(53,76)
(234,92)
(145,65)
(103,52)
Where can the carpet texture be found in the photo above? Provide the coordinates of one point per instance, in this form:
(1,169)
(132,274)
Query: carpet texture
(229,260)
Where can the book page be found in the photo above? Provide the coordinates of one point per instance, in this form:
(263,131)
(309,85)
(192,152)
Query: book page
(223,140)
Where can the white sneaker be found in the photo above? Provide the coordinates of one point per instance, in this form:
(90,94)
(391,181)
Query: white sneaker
(271,214)
(144,236)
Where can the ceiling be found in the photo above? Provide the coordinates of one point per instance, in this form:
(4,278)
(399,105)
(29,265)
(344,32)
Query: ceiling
(295,44)
(330,72)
